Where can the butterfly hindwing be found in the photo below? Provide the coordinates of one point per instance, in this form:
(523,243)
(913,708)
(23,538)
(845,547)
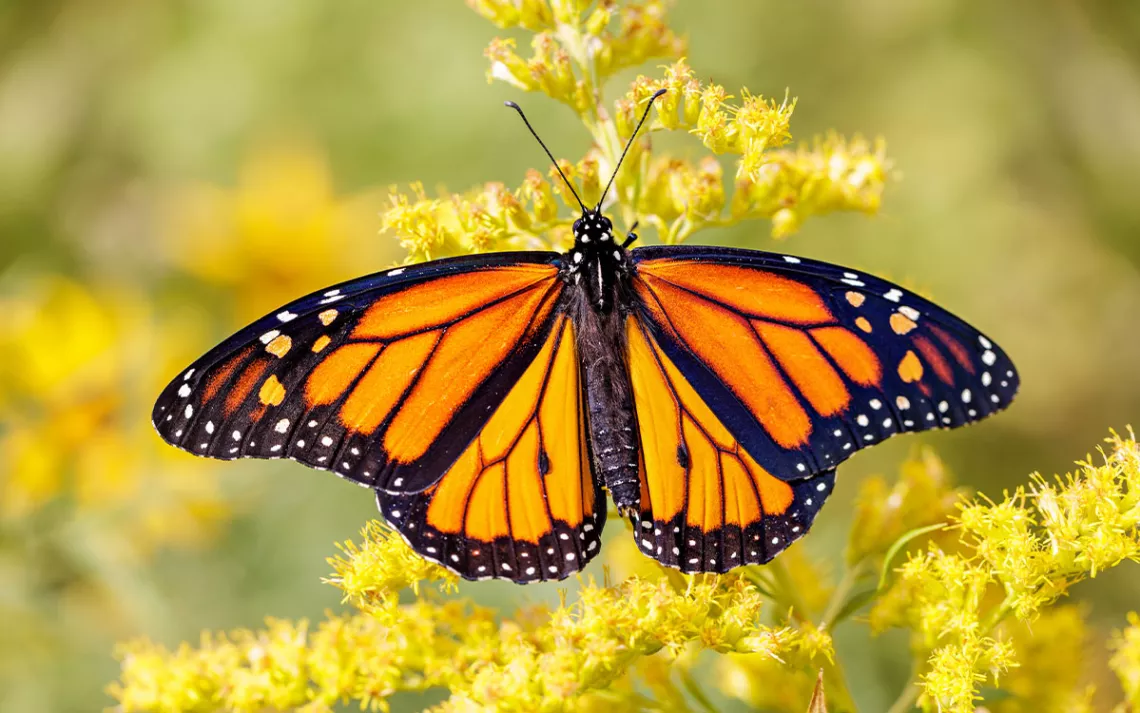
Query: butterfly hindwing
(383,380)
(706,504)
(521,502)
(806,362)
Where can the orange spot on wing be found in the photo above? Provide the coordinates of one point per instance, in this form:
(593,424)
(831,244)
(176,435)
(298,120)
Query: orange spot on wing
(726,343)
(444,300)
(466,356)
(322,342)
(327,316)
(856,299)
(902,324)
(272,393)
(385,382)
(244,385)
(487,509)
(520,406)
(935,359)
(959,352)
(864,324)
(806,366)
(280,345)
(910,368)
(756,293)
(336,372)
(851,353)
(449,502)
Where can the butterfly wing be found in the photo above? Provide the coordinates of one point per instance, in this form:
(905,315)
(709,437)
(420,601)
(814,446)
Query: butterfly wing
(801,363)
(521,502)
(706,504)
(384,380)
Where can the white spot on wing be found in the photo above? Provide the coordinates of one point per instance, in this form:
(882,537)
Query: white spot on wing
(909,312)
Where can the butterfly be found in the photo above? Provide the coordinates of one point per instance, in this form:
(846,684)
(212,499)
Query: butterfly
(491,401)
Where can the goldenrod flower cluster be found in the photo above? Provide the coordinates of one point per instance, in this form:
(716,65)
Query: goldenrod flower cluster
(541,661)
(1011,560)
(576,48)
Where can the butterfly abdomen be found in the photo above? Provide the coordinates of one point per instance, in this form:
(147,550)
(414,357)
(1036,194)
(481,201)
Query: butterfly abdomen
(611,423)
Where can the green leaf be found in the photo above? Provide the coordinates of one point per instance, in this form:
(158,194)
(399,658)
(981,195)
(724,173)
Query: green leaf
(853,604)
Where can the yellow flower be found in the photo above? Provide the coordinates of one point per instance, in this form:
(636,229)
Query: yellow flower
(384,564)
(923,495)
(1015,557)
(1126,661)
(87,361)
(540,662)
(281,232)
(1052,660)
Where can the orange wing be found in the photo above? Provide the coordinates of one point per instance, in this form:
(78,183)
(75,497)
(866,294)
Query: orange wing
(706,504)
(755,375)
(385,380)
(806,363)
(520,502)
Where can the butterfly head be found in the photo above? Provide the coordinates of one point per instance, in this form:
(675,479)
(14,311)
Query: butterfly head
(593,228)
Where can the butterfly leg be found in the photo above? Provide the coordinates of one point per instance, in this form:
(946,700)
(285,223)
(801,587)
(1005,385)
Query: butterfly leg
(631,236)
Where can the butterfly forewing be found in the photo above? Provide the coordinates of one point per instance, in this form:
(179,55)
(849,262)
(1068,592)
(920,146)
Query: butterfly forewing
(754,375)
(384,380)
(806,362)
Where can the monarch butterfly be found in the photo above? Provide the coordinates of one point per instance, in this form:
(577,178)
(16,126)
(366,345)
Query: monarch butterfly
(488,400)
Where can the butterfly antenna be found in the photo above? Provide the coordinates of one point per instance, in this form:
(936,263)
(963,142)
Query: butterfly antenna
(556,167)
(630,143)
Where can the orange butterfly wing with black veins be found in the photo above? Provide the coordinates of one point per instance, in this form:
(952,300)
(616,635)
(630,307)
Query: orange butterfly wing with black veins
(521,502)
(384,380)
(758,369)
(706,504)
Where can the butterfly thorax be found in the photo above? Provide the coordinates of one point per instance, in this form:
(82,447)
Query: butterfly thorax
(597,262)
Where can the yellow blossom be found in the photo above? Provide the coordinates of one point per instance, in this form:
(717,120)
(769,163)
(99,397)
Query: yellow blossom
(1126,661)
(1051,662)
(87,358)
(538,663)
(1014,558)
(280,232)
(923,495)
(369,573)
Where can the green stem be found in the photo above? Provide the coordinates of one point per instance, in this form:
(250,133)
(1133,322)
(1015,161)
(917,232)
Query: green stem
(839,597)
(906,700)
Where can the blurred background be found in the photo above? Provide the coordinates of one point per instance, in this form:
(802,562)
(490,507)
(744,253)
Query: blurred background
(171,170)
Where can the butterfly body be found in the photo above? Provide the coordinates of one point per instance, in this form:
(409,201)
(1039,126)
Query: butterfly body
(598,273)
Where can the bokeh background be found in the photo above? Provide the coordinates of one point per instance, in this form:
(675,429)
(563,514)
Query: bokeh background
(169,170)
